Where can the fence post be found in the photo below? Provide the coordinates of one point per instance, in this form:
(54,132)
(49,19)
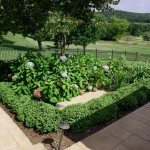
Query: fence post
(112,54)
(96,53)
(136,58)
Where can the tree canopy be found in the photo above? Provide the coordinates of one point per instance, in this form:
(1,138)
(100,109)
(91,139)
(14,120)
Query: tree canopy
(29,15)
(130,16)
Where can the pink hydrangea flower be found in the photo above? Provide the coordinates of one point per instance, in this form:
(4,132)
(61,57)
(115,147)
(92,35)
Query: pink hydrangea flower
(37,93)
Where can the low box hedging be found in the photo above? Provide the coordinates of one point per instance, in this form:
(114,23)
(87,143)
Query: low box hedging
(45,117)
(39,115)
(105,108)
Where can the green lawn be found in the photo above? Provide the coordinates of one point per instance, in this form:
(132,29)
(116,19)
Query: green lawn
(14,44)
(135,45)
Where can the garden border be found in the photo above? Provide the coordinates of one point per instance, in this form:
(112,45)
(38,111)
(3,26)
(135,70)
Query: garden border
(45,117)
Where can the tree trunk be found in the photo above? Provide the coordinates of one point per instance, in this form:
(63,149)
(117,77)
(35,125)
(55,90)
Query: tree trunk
(39,45)
(63,44)
(84,49)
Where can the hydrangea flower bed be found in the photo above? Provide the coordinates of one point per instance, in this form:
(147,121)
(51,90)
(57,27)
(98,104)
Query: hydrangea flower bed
(58,78)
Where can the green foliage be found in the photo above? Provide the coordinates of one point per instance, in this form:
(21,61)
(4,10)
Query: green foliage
(146,36)
(83,9)
(33,114)
(80,73)
(85,34)
(46,75)
(24,18)
(114,28)
(130,16)
(81,117)
(137,72)
(136,29)
(45,118)
(56,23)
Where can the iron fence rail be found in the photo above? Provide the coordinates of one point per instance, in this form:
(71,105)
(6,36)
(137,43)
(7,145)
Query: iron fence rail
(11,54)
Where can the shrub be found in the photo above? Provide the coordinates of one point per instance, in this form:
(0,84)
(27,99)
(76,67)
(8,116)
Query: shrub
(55,77)
(45,117)
(59,78)
(81,117)
(146,36)
(39,115)
(98,111)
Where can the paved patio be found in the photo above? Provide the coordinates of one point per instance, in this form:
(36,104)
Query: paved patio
(129,133)
(12,137)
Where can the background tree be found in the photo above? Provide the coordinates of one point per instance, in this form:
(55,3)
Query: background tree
(85,34)
(127,37)
(146,36)
(55,25)
(115,28)
(28,17)
(130,16)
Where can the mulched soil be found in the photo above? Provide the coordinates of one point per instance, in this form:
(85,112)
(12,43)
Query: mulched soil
(51,140)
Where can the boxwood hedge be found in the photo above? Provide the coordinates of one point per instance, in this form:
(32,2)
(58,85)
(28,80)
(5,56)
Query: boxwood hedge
(45,117)
(83,116)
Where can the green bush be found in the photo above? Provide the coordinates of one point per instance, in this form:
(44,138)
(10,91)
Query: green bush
(44,117)
(45,73)
(103,109)
(146,36)
(82,116)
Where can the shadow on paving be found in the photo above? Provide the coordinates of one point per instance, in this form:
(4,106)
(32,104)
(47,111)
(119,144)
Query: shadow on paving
(95,128)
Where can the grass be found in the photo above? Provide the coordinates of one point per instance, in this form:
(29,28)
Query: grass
(135,45)
(15,44)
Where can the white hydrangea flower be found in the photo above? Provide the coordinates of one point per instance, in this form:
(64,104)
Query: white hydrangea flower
(75,86)
(63,58)
(14,78)
(64,74)
(70,56)
(30,64)
(95,68)
(90,88)
(106,68)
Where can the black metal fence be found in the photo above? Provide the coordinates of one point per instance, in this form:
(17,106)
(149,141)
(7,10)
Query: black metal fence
(11,54)
(103,54)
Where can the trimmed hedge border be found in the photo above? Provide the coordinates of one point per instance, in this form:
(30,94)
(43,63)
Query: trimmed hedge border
(45,117)
(82,116)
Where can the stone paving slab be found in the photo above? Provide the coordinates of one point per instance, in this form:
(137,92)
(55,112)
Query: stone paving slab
(132,132)
(81,99)
(12,137)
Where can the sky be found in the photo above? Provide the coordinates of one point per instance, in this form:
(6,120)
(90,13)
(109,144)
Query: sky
(139,6)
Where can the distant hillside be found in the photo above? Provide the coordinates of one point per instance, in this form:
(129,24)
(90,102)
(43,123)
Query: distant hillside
(130,16)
